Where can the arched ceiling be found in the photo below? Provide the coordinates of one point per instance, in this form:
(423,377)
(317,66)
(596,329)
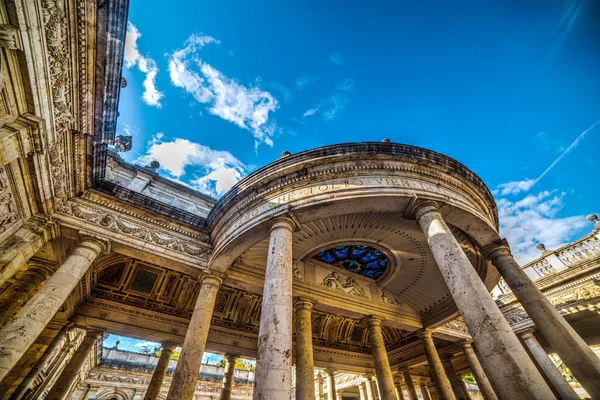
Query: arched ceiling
(414,277)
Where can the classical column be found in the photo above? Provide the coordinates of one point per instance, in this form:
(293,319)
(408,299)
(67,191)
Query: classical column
(435,366)
(339,396)
(465,388)
(482,381)
(30,321)
(22,289)
(399,390)
(227,385)
(362,391)
(424,391)
(455,382)
(305,368)
(559,383)
(432,392)
(274,360)
(385,379)
(503,357)
(369,388)
(332,390)
(410,386)
(184,380)
(321,382)
(69,375)
(159,372)
(26,241)
(570,347)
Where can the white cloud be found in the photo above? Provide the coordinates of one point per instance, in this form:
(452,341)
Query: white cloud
(329,106)
(247,107)
(146,65)
(336,58)
(146,343)
(534,219)
(310,112)
(305,81)
(346,85)
(287,94)
(514,187)
(220,169)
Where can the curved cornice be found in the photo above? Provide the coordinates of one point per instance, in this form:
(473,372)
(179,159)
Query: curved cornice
(292,169)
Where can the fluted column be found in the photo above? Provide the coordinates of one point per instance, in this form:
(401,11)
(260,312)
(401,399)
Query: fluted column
(562,387)
(424,391)
(570,347)
(385,379)
(410,386)
(305,368)
(369,388)
(503,356)
(227,385)
(69,375)
(159,372)
(274,360)
(30,321)
(482,381)
(455,381)
(332,394)
(184,380)
(26,241)
(435,366)
(22,289)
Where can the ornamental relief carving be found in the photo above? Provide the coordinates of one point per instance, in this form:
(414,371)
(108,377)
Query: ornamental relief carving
(583,293)
(56,30)
(9,213)
(344,284)
(128,227)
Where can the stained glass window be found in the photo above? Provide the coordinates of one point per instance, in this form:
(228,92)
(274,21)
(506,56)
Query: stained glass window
(361,259)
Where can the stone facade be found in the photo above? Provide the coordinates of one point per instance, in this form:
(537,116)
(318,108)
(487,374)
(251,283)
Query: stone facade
(90,244)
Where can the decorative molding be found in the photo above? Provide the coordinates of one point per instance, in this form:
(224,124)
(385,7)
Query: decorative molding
(9,212)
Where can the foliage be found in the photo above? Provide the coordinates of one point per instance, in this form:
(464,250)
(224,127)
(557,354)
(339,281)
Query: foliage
(469,378)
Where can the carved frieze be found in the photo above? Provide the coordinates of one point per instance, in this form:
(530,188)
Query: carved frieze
(9,213)
(582,293)
(344,284)
(134,229)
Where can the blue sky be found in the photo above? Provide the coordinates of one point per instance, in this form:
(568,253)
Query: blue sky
(509,88)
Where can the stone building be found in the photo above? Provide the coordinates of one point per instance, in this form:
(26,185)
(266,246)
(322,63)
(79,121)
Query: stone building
(365,263)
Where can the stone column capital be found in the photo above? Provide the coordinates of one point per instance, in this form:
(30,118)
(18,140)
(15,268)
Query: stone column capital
(373,320)
(466,344)
(94,242)
(421,207)
(287,221)
(94,333)
(496,250)
(211,279)
(231,357)
(425,333)
(303,303)
(168,347)
(527,334)
(331,372)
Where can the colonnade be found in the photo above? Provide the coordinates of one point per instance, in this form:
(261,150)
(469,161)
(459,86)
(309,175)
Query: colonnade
(501,354)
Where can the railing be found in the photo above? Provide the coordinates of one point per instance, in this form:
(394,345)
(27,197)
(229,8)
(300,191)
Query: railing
(570,255)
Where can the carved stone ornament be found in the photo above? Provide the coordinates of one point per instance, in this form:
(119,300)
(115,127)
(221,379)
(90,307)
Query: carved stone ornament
(583,293)
(517,316)
(9,213)
(456,326)
(386,298)
(130,228)
(123,143)
(345,285)
(295,271)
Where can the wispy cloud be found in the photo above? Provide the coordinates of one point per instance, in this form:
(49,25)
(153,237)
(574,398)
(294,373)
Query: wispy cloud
(214,171)
(513,187)
(534,219)
(567,151)
(346,85)
(247,107)
(336,58)
(132,56)
(305,81)
(287,94)
(330,106)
